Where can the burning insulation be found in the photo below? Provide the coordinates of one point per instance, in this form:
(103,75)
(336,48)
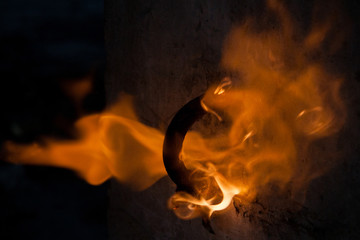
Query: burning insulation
(276,99)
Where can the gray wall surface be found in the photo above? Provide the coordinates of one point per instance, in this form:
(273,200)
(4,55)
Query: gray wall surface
(165,53)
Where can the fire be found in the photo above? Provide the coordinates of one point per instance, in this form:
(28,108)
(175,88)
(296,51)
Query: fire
(187,206)
(275,101)
(111,144)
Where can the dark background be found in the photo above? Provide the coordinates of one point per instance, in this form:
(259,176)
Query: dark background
(44,45)
(47,43)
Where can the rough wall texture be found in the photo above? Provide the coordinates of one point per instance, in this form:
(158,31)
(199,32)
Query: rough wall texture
(163,52)
(166,53)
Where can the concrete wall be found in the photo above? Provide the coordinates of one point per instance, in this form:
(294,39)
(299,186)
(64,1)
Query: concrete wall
(166,53)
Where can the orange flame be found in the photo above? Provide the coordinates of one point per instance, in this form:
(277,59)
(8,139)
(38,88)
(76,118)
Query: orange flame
(282,100)
(111,144)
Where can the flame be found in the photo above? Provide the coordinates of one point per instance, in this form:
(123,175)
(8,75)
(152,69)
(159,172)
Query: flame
(192,206)
(111,144)
(278,101)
